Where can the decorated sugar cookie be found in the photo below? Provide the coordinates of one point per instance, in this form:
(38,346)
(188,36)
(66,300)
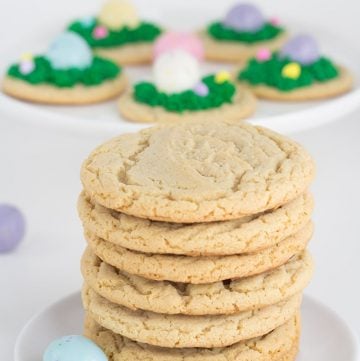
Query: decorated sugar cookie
(117,33)
(241,33)
(297,71)
(179,92)
(67,73)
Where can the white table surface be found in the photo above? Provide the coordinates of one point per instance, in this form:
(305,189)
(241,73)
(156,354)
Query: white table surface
(39,172)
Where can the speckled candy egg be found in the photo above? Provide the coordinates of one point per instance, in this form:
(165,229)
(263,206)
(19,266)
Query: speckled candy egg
(116,14)
(176,40)
(73,347)
(302,49)
(244,17)
(176,71)
(12,227)
(69,50)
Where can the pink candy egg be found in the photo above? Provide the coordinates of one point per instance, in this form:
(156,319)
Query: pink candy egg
(263,54)
(183,41)
(100,32)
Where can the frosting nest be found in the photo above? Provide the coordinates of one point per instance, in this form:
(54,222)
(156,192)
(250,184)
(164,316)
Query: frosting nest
(271,72)
(221,32)
(99,71)
(218,94)
(145,32)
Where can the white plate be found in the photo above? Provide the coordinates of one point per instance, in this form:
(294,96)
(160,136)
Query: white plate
(284,117)
(325,336)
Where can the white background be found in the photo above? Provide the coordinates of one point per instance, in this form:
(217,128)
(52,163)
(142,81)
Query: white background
(39,172)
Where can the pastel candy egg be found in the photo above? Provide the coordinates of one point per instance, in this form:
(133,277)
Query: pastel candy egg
(244,17)
(26,67)
(263,54)
(69,50)
(291,70)
(116,14)
(12,227)
(176,71)
(73,347)
(100,32)
(26,57)
(176,40)
(201,89)
(302,49)
(275,21)
(87,21)
(222,76)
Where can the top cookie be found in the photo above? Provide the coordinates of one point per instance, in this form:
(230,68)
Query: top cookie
(197,172)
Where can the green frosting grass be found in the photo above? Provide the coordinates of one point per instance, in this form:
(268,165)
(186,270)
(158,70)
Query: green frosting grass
(269,73)
(219,94)
(219,31)
(99,71)
(145,32)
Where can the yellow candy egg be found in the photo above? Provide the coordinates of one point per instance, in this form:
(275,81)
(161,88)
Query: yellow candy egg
(291,70)
(116,14)
(222,77)
(26,57)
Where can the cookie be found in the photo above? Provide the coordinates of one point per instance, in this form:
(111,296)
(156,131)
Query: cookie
(67,73)
(231,51)
(177,91)
(244,235)
(241,33)
(243,105)
(199,270)
(76,95)
(118,33)
(232,296)
(197,172)
(296,72)
(180,331)
(342,84)
(280,344)
(134,54)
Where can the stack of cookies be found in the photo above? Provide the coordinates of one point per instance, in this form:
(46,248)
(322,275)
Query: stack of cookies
(197,236)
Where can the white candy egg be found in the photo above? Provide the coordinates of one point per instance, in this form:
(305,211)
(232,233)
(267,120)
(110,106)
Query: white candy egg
(176,71)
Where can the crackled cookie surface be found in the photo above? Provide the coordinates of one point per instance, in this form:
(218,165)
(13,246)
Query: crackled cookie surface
(247,234)
(279,345)
(197,172)
(187,331)
(230,296)
(199,269)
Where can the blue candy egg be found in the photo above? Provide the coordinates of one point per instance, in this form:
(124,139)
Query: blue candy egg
(74,348)
(87,21)
(69,50)
(12,227)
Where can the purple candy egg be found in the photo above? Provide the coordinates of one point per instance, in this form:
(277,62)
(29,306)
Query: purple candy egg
(12,227)
(244,17)
(201,89)
(302,49)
